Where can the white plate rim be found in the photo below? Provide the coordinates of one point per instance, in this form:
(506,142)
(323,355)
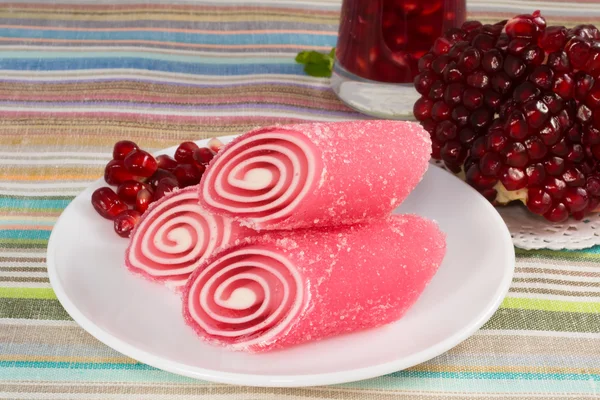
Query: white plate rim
(285,380)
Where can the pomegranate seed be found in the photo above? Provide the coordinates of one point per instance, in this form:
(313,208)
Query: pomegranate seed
(454,154)
(496,141)
(466,136)
(576,154)
(521,27)
(542,77)
(593,97)
(445,131)
(436,150)
(452,95)
(559,62)
(128,191)
(517,46)
(440,111)
(492,99)
(158,176)
(479,147)
(457,49)
(516,155)
(490,164)
(143,199)
(535,174)
(460,115)
(557,213)
(525,92)
(472,98)
(166,162)
(115,173)
(564,86)
(553,39)
(593,64)
(440,64)
(469,60)
(424,64)
(478,80)
(480,118)
(501,82)
(185,151)
(536,113)
(188,175)
(560,149)
(538,201)
(554,103)
(126,221)
(554,166)
(533,55)
(479,180)
(550,133)
(422,108)
(591,136)
(516,126)
(579,52)
(423,82)
(141,163)
(555,187)
(483,42)
(470,26)
(538,20)
(122,148)
(165,186)
(107,203)
(576,199)
(536,149)
(492,61)
(514,67)
(573,177)
(584,114)
(593,186)
(513,178)
(441,46)
(437,90)
(215,145)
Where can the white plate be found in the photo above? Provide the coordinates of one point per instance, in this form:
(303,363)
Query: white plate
(143,320)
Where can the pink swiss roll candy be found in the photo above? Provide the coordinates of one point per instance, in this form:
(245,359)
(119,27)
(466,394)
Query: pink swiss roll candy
(318,174)
(285,288)
(175,235)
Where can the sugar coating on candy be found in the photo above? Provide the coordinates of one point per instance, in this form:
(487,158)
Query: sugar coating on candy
(317,174)
(175,235)
(285,288)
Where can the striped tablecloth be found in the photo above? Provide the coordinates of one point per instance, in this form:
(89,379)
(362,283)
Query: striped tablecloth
(77,76)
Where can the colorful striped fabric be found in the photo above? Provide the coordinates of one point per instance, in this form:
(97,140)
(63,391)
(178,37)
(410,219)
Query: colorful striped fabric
(76,76)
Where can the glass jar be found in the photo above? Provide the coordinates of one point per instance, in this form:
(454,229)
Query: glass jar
(379,45)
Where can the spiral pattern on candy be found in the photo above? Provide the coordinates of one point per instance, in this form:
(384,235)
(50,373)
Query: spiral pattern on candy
(175,236)
(264,176)
(318,174)
(245,297)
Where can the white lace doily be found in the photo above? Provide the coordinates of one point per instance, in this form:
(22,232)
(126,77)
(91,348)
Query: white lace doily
(530,231)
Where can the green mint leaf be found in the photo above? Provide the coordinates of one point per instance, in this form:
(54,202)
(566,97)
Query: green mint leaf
(302,57)
(318,70)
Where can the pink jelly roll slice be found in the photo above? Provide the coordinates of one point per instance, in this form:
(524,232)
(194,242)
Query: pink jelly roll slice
(317,174)
(176,235)
(284,288)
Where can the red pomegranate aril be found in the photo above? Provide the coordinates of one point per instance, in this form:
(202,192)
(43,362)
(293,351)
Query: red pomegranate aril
(466,136)
(115,173)
(436,150)
(107,203)
(555,187)
(573,177)
(501,82)
(472,98)
(480,118)
(440,64)
(533,55)
(513,178)
(521,27)
(126,221)
(554,103)
(536,149)
(441,46)
(517,46)
(492,99)
(550,133)
(576,154)
(437,90)
(542,77)
(440,111)
(424,81)
(460,115)
(538,201)
(445,131)
(560,149)
(578,51)
(557,213)
(479,147)
(470,26)
(469,60)
(454,154)
(593,97)
(559,62)
(593,186)
(122,148)
(188,175)
(452,73)
(452,95)
(490,164)
(516,155)
(584,114)
(478,79)
(424,63)
(166,162)
(143,199)
(525,92)
(185,152)
(128,190)
(141,163)
(564,86)
(576,199)
(164,187)
(554,166)
(496,141)
(535,174)
(492,61)
(514,67)
(536,113)
(483,42)
(480,181)
(158,175)
(215,145)
(591,136)
(553,38)
(422,108)
(516,126)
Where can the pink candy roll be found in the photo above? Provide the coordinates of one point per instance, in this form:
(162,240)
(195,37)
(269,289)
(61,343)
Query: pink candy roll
(284,288)
(175,235)
(317,174)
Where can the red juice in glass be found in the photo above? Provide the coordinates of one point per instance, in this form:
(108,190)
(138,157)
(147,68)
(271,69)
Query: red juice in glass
(382,41)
